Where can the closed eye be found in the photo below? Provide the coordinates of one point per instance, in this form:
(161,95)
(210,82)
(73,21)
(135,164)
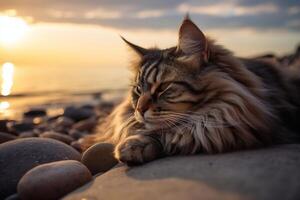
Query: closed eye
(164,91)
(171,92)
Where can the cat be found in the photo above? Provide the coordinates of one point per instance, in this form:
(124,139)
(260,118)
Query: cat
(198,97)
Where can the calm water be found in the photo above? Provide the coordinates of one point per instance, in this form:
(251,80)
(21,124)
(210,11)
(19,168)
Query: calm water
(27,86)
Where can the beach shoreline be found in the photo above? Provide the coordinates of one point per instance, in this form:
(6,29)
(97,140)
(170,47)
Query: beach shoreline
(12,106)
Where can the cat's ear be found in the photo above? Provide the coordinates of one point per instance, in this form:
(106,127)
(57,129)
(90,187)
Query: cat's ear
(192,43)
(137,49)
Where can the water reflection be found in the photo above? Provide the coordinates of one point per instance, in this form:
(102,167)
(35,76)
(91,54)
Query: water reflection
(4,106)
(7,78)
(4,109)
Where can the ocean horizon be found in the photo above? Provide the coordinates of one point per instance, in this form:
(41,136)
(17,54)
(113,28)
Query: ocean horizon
(24,87)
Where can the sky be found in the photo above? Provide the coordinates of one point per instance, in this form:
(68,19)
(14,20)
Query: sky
(86,32)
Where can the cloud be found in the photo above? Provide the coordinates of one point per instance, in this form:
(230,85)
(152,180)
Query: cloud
(294,10)
(229,9)
(150,13)
(102,14)
(166,14)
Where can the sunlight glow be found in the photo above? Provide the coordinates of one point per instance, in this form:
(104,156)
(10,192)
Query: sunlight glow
(5,111)
(7,78)
(4,106)
(12,29)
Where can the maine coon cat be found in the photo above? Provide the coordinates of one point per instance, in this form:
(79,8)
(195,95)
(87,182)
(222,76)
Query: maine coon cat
(198,97)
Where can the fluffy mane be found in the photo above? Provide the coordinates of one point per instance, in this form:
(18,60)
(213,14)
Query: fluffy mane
(199,97)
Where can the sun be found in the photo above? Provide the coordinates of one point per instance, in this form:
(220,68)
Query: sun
(12,29)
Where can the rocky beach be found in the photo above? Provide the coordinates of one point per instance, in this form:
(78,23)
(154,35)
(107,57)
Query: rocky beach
(36,146)
(40,158)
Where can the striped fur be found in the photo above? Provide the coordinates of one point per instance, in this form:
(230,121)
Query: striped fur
(205,100)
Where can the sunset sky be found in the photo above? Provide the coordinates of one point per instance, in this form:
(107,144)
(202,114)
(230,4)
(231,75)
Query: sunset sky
(48,46)
(86,33)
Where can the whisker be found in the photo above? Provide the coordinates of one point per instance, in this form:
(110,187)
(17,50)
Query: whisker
(207,121)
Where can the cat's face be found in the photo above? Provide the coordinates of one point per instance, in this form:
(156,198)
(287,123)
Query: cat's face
(161,89)
(165,83)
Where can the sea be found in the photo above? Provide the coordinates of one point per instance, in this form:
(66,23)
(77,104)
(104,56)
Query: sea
(52,88)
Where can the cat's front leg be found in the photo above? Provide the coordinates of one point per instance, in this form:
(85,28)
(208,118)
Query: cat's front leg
(138,149)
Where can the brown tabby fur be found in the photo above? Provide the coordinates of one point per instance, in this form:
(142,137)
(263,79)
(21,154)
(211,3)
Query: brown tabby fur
(199,97)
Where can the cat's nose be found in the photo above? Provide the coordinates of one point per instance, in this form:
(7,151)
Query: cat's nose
(143,103)
(142,109)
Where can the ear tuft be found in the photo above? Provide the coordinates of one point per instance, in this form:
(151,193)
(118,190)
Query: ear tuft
(187,16)
(139,50)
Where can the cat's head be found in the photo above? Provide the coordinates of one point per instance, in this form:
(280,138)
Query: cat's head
(165,80)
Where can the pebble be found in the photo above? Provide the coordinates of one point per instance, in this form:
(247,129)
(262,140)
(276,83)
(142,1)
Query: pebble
(76,134)
(99,158)
(3,125)
(87,106)
(28,134)
(38,120)
(76,145)
(86,125)
(64,122)
(18,127)
(77,113)
(59,129)
(106,106)
(53,118)
(13,197)
(52,181)
(57,136)
(4,137)
(35,113)
(42,128)
(19,156)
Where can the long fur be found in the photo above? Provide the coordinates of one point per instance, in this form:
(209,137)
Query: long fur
(241,104)
(241,117)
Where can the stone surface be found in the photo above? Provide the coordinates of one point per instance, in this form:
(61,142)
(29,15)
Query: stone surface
(64,122)
(99,158)
(59,129)
(19,156)
(77,113)
(53,180)
(19,127)
(13,197)
(57,136)
(106,107)
(86,125)
(76,146)
(3,125)
(4,137)
(35,113)
(28,134)
(77,134)
(265,174)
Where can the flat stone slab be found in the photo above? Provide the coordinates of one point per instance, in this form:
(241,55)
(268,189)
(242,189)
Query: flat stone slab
(266,174)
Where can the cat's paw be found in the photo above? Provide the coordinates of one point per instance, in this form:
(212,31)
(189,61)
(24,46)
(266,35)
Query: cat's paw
(137,149)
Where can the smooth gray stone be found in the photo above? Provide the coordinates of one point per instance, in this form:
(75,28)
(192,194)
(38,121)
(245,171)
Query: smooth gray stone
(53,180)
(57,136)
(99,158)
(35,113)
(20,155)
(19,127)
(78,114)
(5,137)
(265,174)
